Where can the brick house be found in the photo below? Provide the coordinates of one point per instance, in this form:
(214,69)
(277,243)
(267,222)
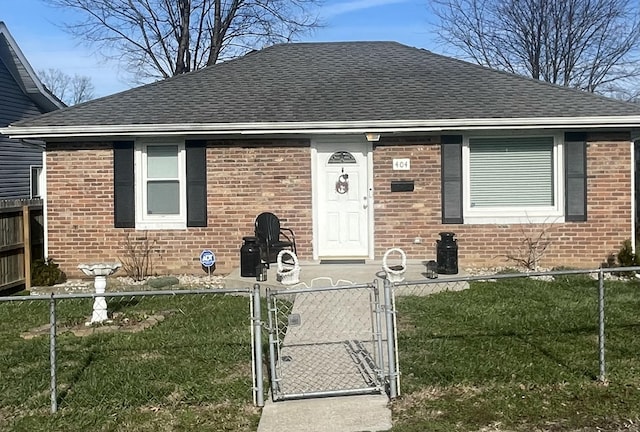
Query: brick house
(357,146)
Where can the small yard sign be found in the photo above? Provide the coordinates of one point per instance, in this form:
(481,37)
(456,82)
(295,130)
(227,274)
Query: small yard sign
(207,258)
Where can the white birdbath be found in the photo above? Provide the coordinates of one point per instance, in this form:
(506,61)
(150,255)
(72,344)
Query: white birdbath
(99,271)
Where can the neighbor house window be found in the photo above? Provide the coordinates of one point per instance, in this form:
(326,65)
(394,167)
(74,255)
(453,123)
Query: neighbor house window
(36,181)
(512,179)
(161,185)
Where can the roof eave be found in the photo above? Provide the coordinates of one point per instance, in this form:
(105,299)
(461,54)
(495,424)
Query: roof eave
(340,127)
(29,81)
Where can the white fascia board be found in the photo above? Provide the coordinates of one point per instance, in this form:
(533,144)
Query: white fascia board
(381,126)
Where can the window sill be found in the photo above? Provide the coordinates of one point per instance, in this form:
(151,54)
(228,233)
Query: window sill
(169,225)
(513,220)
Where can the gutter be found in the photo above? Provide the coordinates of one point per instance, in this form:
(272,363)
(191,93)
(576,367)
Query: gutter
(334,127)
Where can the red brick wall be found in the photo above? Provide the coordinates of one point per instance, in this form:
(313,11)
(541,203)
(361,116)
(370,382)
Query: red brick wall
(245,179)
(242,182)
(400,217)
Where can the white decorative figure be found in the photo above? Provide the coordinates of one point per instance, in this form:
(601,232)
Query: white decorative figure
(100,272)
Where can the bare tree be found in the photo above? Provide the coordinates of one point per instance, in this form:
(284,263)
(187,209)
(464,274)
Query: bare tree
(71,90)
(163,38)
(587,44)
(82,89)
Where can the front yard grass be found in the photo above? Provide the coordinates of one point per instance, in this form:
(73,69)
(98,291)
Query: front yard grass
(519,355)
(191,371)
(512,355)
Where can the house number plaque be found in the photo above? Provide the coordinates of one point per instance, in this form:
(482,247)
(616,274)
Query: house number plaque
(402,164)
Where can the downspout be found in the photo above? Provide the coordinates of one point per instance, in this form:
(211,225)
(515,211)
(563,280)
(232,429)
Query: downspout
(45,213)
(633,193)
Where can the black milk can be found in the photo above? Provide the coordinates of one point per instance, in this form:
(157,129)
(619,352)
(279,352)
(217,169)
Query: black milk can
(447,253)
(249,257)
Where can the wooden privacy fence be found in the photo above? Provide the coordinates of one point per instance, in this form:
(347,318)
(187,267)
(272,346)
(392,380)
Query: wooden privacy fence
(21,241)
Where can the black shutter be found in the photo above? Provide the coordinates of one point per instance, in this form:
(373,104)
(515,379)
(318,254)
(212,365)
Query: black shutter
(575,171)
(124,205)
(196,183)
(451,168)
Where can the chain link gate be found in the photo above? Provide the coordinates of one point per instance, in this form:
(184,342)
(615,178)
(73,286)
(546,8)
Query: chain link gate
(326,341)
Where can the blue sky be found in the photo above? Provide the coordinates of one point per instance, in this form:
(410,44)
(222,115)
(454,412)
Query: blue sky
(36,29)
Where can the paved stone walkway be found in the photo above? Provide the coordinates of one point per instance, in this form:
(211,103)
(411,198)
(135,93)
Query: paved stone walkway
(328,346)
(332,348)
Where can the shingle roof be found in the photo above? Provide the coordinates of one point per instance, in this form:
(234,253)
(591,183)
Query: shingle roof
(25,77)
(336,82)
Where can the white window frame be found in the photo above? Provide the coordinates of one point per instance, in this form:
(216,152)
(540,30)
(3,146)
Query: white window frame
(39,181)
(516,215)
(145,221)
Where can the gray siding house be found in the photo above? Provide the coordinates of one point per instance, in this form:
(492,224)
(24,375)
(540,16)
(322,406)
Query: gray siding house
(22,96)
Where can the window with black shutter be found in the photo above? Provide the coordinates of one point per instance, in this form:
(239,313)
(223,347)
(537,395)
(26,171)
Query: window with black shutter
(196,183)
(451,171)
(123,185)
(575,162)
(160,184)
(508,178)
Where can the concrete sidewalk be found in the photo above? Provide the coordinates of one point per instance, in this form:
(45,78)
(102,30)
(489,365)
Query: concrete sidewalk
(311,271)
(333,414)
(319,360)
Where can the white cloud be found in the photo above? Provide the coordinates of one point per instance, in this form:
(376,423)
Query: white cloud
(340,8)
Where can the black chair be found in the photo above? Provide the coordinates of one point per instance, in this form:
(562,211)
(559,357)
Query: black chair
(272,238)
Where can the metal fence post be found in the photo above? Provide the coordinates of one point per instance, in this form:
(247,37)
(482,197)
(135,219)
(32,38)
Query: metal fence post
(393,373)
(602,376)
(52,353)
(271,309)
(257,345)
(254,381)
(378,330)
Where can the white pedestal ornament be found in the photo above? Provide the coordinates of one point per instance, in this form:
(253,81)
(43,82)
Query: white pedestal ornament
(99,271)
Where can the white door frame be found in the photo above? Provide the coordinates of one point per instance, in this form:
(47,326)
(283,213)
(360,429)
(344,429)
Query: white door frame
(316,143)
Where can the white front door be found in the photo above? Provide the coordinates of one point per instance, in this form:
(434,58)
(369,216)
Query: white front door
(342,197)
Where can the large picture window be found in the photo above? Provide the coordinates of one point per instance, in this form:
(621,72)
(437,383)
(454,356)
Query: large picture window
(512,179)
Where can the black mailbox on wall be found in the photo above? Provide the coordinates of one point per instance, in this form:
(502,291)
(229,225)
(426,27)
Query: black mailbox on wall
(402,186)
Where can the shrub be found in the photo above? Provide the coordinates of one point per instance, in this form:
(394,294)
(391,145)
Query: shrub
(136,261)
(534,242)
(626,256)
(46,273)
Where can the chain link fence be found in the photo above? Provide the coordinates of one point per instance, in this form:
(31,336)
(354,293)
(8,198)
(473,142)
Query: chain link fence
(205,347)
(326,341)
(158,349)
(518,326)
